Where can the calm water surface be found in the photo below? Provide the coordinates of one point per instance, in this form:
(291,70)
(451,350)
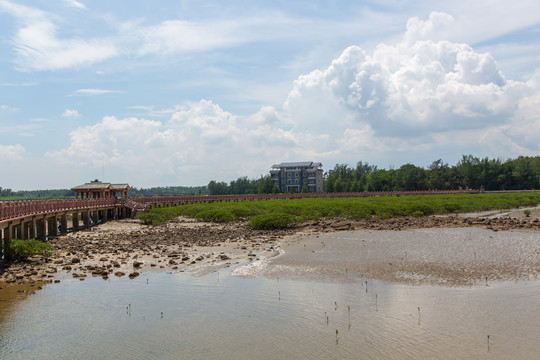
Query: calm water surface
(218,316)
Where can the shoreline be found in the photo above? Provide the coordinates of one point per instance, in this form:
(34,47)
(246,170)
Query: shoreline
(128,248)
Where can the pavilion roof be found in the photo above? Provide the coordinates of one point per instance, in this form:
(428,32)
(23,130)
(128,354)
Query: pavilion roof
(99,185)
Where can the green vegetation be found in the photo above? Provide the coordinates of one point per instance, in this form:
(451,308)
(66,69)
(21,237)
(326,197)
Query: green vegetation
(272,221)
(527,212)
(215,215)
(22,249)
(470,172)
(298,210)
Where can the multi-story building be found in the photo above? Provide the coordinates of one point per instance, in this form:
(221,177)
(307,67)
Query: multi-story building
(294,175)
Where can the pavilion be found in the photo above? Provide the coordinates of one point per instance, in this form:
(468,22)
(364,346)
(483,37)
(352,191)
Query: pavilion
(101,190)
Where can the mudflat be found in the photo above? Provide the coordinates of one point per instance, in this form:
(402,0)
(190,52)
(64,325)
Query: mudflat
(468,256)
(457,250)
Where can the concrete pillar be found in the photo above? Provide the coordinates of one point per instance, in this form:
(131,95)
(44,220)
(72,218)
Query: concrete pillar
(63,218)
(52,226)
(7,242)
(86,218)
(33,228)
(105,215)
(41,229)
(75,221)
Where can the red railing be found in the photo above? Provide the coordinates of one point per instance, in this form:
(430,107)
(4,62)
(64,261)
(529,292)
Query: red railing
(17,209)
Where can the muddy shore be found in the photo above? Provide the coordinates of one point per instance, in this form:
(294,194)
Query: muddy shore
(128,248)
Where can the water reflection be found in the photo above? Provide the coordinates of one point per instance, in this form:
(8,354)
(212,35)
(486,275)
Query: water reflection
(171,316)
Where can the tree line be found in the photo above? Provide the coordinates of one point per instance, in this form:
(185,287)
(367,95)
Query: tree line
(470,172)
(522,173)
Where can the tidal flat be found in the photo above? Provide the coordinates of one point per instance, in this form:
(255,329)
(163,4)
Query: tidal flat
(468,292)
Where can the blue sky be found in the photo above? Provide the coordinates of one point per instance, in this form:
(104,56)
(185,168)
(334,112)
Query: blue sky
(192,91)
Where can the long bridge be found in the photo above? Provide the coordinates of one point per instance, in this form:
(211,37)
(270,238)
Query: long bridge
(43,219)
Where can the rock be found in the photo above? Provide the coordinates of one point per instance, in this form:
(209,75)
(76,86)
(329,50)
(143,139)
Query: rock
(341,225)
(75,260)
(115,264)
(104,259)
(224,257)
(137,264)
(133,275)
(119,274)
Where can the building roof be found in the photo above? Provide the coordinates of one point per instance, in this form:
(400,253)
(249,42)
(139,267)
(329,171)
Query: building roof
(297,164)
(99,185)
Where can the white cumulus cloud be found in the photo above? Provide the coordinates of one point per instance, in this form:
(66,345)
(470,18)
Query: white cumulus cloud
(11,152)
(71,114)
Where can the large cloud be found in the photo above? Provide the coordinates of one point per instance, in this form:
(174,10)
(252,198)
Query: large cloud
(415,86)
(418,96)
(197,137)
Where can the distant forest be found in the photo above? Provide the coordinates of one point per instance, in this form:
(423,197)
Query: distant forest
(470,172)
(522,173)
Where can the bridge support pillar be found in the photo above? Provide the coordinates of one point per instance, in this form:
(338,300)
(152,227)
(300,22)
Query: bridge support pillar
(41,229)
(86,218)
(5,241)
(32,228)
(63,219)
(75,221)
(52,226)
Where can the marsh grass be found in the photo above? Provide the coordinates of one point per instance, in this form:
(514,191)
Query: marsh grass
(354,208)
(23,249)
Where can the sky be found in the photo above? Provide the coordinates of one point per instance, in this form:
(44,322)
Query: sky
(179,93)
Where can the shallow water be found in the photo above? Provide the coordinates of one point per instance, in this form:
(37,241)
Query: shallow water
(218,316)
(436,256)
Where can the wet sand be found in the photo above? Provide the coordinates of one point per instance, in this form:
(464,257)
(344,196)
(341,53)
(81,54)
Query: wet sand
(437,256)
(457,250)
